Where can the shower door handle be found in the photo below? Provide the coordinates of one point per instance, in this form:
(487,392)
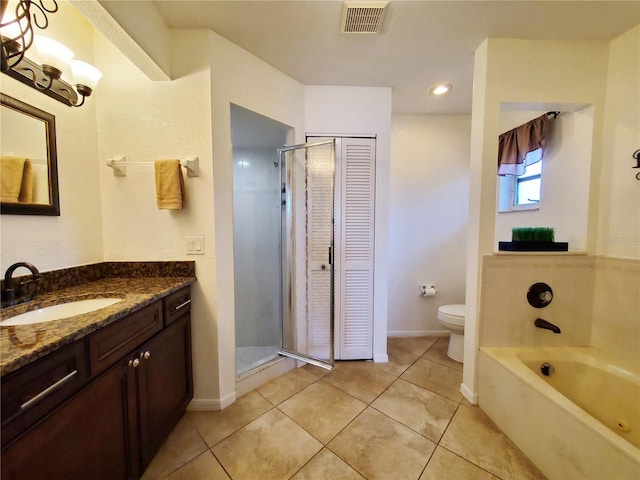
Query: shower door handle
(330,256)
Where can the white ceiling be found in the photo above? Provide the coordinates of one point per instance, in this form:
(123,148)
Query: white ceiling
(422,42)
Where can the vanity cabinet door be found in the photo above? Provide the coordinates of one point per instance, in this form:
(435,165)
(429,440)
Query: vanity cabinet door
(89,437)
(165,385)
(37,389)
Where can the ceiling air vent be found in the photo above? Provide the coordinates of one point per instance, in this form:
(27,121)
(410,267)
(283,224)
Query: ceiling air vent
(363,17)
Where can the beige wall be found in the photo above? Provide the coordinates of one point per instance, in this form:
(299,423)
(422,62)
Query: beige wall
(240,78)
(619,221)
(428,218)
(607,314)
(530,72)
(190,115)
(147,121)
(111,218)
(75,237)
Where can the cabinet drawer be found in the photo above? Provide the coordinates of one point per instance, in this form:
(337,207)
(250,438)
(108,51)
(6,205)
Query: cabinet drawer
(176,305)
(112,343)
(35,390)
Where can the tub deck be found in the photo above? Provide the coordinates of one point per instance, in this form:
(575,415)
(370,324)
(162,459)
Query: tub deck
(559,436)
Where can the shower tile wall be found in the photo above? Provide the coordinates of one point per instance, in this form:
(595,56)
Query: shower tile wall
(256,212)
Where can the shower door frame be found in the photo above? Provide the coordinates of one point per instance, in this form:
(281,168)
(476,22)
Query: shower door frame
(288,270)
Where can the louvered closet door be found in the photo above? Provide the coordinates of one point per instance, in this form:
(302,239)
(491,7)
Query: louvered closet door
(355,248)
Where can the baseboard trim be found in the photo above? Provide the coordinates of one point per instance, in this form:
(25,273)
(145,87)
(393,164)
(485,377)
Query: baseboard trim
(210,404)
(468,394)
(381,358)
(418,333)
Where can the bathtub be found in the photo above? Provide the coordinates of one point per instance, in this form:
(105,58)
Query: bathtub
(581,422)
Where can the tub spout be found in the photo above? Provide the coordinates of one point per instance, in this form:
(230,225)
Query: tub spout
(541,323)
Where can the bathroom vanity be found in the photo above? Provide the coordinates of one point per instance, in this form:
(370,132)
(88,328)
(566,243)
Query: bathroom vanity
(96,395)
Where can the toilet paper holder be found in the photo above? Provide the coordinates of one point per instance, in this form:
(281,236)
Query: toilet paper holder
(428,290)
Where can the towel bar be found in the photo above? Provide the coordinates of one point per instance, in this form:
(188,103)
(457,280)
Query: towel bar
(119,165)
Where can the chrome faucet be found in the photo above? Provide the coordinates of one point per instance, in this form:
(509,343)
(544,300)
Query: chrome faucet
(25,290)
(541,323)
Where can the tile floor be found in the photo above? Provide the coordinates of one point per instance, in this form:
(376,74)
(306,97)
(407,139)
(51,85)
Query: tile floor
(402,420)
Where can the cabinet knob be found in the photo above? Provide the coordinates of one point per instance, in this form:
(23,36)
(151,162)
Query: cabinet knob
(134,363)
(146,355)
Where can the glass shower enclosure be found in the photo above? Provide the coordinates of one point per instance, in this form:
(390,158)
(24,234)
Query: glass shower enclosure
(283,217)
(256,237)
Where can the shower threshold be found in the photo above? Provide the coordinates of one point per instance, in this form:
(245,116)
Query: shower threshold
(251,358)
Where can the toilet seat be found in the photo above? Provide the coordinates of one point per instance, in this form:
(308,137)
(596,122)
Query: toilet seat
(453,314)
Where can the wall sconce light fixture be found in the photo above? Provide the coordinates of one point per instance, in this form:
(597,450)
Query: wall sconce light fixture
(17,33)
(636,156)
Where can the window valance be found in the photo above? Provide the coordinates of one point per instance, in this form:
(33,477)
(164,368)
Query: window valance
(522,146)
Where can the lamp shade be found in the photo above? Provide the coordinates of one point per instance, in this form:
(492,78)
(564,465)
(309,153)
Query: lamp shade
(12,29)
(85,74)
(53,53)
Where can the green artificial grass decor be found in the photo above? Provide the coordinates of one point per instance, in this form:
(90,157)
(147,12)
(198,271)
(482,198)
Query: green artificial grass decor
(537,234)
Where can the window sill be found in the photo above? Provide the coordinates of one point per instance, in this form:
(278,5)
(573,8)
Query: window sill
(521,208)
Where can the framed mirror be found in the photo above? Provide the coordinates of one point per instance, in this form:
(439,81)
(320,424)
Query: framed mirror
(29,162)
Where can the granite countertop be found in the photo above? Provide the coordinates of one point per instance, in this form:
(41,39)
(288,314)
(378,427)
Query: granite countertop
(23,344)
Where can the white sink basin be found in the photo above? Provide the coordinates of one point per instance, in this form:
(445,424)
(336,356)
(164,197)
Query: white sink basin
(56,312)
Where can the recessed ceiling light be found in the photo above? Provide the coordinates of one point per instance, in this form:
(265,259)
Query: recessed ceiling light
(440,89)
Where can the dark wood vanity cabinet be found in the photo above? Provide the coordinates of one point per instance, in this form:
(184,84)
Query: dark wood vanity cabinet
(112,428)
(90,436)
(164,386)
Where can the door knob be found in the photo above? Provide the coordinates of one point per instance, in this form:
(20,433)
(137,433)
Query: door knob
(134,363)
(146,355)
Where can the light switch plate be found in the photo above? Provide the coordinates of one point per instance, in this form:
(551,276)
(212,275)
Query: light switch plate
(195,244)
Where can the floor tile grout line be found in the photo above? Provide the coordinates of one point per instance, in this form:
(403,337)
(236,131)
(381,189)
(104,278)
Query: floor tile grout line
(367,404)
(455,453)
(428,460)
(392,419)
(221,464)
(432,391)
(325,445)
(407,426)
(345,460)
(317,379)
(186,416)
(472,463)
(237,429)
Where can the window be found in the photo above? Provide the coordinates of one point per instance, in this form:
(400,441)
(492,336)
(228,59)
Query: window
(527,185)
(521,192)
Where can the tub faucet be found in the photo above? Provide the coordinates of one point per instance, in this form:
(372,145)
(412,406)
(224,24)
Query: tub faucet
(541,323)
(23,291)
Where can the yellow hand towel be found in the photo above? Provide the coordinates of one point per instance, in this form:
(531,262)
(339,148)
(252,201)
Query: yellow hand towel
(12,177)
(26,188)
(170,192)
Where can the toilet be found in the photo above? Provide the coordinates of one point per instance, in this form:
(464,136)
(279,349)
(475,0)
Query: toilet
(452,317)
